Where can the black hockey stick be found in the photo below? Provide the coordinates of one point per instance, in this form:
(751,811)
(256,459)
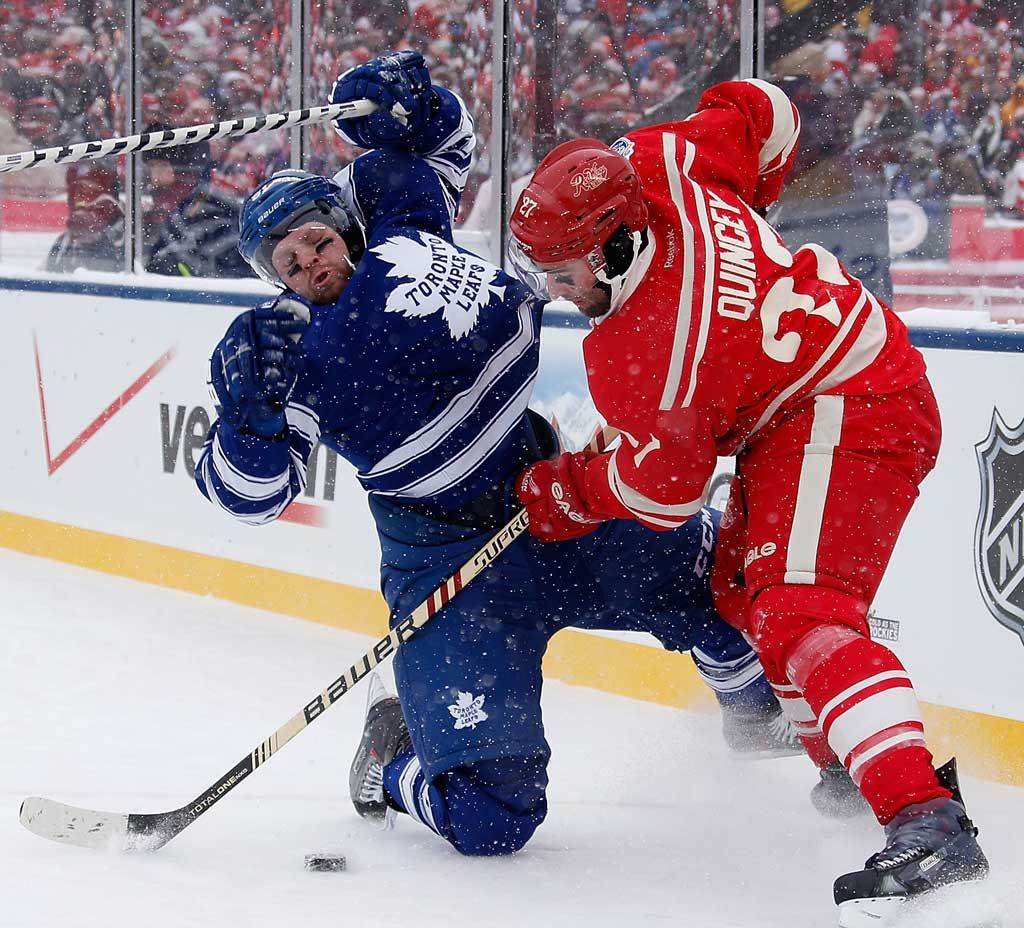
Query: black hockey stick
(149,831)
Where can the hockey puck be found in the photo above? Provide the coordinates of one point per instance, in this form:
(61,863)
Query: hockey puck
(325,863)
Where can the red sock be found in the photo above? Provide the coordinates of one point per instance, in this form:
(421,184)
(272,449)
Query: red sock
(865,705)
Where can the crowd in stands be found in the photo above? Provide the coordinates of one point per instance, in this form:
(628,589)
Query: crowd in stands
(933,93)
(931,90)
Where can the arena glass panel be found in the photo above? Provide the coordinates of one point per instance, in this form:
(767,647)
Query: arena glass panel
(206,63)
(601,70)
(455,39)
(912,161)
(598,71)
(62,82)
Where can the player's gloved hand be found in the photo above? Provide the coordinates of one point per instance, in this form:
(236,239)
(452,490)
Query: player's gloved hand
(254,368)
(551,492)
(400,85)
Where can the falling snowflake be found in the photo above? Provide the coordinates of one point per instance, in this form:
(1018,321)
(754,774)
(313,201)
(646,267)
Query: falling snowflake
(442,279)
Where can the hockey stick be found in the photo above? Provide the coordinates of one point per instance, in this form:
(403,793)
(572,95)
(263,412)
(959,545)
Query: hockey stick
(148,832)
(169,138)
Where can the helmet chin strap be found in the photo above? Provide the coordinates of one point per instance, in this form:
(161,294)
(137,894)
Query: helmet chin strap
(614,284)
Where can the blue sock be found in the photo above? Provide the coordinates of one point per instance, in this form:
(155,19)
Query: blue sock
(408,789)
(737,684)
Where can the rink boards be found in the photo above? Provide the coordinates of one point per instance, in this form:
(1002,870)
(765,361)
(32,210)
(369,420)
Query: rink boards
(107,407)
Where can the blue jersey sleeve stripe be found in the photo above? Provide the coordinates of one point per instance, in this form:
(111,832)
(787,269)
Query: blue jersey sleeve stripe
(305,422)
(243,485)
(267,515)
(345,178)
(453,157)
(245,510)
(451,201)
(298,469)
(258,498)
(207,482)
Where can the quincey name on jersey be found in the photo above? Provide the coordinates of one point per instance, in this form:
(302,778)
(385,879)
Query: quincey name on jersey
(420,373)
(719,329)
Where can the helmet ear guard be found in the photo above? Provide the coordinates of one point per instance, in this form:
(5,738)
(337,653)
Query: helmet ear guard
(621,250)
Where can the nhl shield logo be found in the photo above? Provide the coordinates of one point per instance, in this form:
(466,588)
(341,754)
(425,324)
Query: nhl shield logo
(999,545)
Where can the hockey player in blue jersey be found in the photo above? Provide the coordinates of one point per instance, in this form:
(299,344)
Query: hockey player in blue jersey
(414,359)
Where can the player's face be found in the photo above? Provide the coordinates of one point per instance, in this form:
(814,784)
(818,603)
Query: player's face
(575,281)
(313,260)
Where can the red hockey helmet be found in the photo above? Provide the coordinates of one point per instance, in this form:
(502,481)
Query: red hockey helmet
(581,193)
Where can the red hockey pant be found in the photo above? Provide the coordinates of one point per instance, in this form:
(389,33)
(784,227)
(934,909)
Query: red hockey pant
(811,525)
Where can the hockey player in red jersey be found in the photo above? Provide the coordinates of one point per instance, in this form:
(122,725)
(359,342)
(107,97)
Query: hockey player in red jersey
(710,338)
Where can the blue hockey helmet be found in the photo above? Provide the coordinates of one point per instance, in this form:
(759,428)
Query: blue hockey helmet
(285,201)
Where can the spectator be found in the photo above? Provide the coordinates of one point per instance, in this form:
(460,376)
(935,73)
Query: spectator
(660,82)
(1013,190)
(94,237)
(38,120)
(940,120)
(199,236)
(33,124)
(171,177)
(882,48)
(205,62)
(1013,109)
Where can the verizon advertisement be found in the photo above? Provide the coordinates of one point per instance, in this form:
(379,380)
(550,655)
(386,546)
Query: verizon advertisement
(112,408)
(108,406)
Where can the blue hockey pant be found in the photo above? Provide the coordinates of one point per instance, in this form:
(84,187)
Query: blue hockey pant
(470,680)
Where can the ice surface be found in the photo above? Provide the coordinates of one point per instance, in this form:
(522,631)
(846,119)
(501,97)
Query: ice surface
(125,697)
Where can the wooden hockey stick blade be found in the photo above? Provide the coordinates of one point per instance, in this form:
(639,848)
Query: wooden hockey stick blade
(131,832)
(82,827)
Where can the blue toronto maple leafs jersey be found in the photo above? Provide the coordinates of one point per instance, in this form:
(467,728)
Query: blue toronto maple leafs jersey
(420,373)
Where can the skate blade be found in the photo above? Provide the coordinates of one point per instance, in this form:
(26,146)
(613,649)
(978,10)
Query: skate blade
(959,905)
(385,823)
(753,756)
(872,912)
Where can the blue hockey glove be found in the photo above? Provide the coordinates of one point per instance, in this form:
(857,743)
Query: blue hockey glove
(254,367)
(400,85)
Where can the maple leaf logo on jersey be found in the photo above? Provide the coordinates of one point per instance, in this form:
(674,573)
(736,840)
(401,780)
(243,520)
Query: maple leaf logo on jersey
(467,711)
(443,279)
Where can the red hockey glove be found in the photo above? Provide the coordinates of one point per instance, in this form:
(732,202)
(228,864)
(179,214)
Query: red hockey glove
(551,492)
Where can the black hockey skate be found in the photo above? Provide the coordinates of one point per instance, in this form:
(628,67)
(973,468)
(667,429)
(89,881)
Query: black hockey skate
(759,734)
(928,845)
(835,795)
(385,734)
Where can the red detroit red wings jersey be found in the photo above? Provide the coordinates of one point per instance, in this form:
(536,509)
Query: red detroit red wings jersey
(720,330)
